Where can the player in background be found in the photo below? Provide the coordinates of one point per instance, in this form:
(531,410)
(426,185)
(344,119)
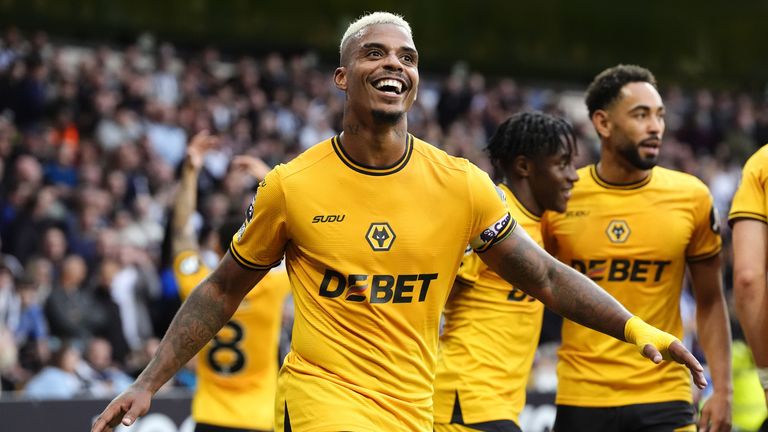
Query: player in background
(634,228)
(749,219)
(492,328)
(371,261)
(237,370)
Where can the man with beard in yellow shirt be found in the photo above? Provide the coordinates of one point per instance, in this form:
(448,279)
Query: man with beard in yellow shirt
(634,228)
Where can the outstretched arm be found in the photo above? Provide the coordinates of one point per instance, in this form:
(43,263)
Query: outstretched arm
(750,268)
(205,311)
(522,263)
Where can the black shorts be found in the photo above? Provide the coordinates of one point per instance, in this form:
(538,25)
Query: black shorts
(651,417)
(495,426)
(202,427)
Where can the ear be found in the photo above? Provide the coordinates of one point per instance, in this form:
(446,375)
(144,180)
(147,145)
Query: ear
(340,78)
(602,123)
(522,166)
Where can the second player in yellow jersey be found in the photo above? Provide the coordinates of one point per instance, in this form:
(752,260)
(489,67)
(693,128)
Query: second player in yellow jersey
(492,328)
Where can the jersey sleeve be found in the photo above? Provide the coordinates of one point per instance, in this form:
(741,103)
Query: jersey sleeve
(749,202)
(260,242)
(491,221)
(469,270)
(705,241)
(189,270)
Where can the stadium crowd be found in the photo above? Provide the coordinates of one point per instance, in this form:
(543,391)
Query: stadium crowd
(91,139)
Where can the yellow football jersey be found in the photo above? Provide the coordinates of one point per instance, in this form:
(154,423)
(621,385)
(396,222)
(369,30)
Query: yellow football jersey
(751,199)
(237,370)
(633,240)
(489,340)
(372,254)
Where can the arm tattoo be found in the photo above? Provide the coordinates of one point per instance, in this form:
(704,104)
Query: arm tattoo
(203,314)
(562,289)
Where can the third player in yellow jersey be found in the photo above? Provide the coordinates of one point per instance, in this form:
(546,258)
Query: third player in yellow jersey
(634,228)
(491,328)
(635,241)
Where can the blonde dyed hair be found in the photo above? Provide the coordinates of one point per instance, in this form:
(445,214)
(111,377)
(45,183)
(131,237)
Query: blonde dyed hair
(358,26)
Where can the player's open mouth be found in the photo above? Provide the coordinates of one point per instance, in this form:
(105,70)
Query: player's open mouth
(651,143)
(390,86)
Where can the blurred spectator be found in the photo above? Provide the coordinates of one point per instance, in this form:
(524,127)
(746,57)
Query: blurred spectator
(133,288)
(31,330)
(112,330)
(102,378)
(59,379)
(71,310)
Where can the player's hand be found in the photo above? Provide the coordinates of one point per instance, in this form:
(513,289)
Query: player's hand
(716,414)
(126,408)
(677,352)
(198,146)
(658,345)
(254,166)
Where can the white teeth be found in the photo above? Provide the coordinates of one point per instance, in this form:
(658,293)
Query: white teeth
(397,85)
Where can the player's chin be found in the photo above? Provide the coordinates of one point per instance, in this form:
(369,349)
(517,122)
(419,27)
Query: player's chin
(388,116)
(559,205)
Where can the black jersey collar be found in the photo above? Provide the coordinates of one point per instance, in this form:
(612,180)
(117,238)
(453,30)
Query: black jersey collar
(624,186)
(369,170)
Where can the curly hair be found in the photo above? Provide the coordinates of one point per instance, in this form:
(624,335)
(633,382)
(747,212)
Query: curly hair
(607,85)
(531,134)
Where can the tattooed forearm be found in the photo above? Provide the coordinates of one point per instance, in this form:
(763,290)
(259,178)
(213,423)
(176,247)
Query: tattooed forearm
(198,320)
(581,300)
(569,293)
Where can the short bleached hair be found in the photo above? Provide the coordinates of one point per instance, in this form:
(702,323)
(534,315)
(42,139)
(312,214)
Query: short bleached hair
(357,27)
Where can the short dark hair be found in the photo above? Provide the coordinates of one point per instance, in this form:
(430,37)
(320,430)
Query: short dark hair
(532,134)
(607,85)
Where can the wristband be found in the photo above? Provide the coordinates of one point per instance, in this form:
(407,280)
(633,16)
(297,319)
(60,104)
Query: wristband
(640,333)
(762,374)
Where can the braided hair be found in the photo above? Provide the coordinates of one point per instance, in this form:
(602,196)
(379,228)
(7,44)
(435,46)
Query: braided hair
(532,134)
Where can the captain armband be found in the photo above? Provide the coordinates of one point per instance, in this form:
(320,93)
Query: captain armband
(495,233)
(640,333)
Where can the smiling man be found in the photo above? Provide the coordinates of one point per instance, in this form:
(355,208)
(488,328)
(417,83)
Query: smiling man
(369,284)
(481,376)
(633,228)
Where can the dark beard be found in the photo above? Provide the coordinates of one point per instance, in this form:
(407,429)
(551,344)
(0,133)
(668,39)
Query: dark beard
(632,155)
(389,118)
